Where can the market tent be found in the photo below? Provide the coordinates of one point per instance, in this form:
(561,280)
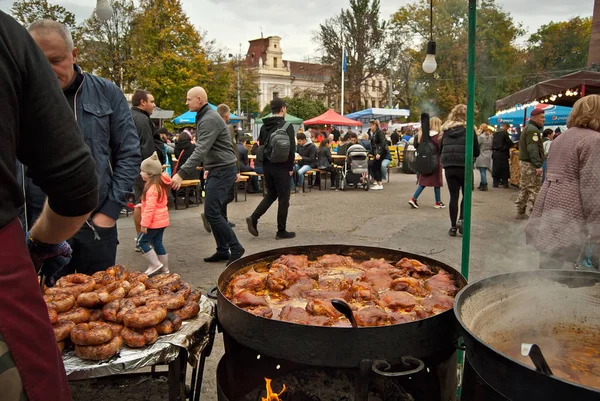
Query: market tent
(189,117)
(330,117)
(571,88)
(288,117)
(378,114)
(554,115)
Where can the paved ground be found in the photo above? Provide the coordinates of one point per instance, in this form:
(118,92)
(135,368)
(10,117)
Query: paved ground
(380,218)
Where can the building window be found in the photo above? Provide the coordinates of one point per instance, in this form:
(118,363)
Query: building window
(380,85)
(274,62)
(373,103)
(275,46)
(373,82)
(275,95)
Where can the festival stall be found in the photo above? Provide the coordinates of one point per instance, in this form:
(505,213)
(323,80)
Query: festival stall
(189,117)
(554,115)
(330,117)
(295,121)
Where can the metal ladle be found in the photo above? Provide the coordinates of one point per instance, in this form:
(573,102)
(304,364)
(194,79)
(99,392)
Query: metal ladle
(344,309)
(534,352)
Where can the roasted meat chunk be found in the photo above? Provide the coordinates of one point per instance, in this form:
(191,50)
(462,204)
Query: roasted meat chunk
(372,316)
(280,277)
(334,284)
(397,299)
(378,278)
(441,282)
(245,298)
(375,263)
(263,311)
(401,317)
(335,261)
(319,294)
(409,284)
(438,302)
(251,280)
(362,291)
(293,261)
(411,266)
(318,307)
(301,286)
(301,316)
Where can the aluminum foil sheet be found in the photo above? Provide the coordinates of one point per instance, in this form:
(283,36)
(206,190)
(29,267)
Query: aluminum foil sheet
(193,336)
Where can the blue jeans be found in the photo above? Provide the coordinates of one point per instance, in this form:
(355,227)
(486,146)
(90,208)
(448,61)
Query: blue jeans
(483,173)
(301,170)
(436,192)
(154,236)
(218,184)
(384,165)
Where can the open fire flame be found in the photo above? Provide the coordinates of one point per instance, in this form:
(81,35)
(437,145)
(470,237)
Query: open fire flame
(271,396)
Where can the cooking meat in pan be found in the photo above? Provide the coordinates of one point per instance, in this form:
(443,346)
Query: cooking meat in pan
(380,292)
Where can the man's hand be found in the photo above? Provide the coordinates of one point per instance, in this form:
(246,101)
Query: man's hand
(103,221)
(378,157)
(205,174)
(144,230)
(238,176)
(538,171)
(291,173)
(176,181)
(48,259)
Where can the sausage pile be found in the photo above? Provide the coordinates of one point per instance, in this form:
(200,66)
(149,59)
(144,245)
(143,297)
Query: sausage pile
(101,313)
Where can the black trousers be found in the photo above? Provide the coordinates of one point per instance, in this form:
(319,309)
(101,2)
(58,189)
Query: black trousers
(277,184)
(455,177)
(376,169)
(230,198)
(94,249)
(333,172)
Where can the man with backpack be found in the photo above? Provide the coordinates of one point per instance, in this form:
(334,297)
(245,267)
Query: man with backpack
(276,152)
(308,153)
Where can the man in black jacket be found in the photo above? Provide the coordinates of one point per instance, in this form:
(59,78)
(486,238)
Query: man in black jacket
(277,175)
(308,153)
(501,154)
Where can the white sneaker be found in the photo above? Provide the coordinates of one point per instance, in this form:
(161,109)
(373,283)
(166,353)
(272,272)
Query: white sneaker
(377,187)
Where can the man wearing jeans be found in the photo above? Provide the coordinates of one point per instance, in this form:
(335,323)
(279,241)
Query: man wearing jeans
(308,152)
(215,150)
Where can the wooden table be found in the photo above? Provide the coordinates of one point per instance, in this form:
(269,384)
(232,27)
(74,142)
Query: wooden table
(253,157)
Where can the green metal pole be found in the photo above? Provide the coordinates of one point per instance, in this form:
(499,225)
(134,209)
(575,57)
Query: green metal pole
(466,244)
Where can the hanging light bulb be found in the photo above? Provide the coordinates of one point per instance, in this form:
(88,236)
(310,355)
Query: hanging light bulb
(560,95)
(103,10)
(430,65)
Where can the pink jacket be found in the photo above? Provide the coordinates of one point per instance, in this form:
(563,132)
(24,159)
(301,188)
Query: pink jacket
(567,208)
(155,213)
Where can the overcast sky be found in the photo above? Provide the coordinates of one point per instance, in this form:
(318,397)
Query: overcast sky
(231,22)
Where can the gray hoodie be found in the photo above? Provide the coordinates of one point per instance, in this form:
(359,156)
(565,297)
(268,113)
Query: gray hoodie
(213,144)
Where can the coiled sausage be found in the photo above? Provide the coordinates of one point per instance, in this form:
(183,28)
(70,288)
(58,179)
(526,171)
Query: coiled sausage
(60,302)
(115,310)
(95,315)
(144,316)
(95,333)
(140,337)
(77,315)
(189,310)
(73,284)
(136,289)
(62,329)
(169,301)
(194,296)
(141,299)
(53,316)
(170,325)
(99,352)
(162,280)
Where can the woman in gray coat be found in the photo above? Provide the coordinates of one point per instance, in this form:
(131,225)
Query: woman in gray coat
(566,215)
(484,161)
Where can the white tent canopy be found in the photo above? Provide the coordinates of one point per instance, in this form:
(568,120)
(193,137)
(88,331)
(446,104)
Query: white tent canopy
(378,114)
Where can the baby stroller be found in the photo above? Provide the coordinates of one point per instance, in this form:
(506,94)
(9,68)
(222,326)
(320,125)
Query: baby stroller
(355,171)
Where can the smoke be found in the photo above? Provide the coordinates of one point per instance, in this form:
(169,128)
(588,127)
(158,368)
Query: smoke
(429,107)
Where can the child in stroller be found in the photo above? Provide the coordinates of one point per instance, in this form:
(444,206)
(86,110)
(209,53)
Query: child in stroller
(355,171)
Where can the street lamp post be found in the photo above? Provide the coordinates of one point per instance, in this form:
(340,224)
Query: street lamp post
(238,59)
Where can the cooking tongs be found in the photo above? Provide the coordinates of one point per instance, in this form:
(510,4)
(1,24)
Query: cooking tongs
(534,352)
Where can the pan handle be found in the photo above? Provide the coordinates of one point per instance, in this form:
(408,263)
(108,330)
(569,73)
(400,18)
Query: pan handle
(212,293)
(415,365)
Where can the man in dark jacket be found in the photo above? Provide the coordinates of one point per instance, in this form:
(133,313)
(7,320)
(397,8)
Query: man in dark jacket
(215,150)
(37,128)
(308,153)
(277,175)
(105,121)
(531,158)
(501,154)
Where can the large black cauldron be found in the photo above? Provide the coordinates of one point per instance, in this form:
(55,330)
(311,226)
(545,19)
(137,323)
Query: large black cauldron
(528,306)
(337,346)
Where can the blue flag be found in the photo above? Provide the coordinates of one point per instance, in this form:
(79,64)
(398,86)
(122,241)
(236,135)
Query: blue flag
(344,64)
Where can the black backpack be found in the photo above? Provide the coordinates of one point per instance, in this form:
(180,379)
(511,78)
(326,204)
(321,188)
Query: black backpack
(426,162)
(278,146)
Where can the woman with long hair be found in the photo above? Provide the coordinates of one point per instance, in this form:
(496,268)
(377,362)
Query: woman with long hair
(452,155)
(380,150)
(484,161)
(325,161)
(566,214)
(434,180)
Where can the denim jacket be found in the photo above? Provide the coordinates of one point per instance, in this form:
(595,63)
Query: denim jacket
(105,121)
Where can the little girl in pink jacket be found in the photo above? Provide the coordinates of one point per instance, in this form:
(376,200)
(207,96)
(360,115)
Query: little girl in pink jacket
(155,215)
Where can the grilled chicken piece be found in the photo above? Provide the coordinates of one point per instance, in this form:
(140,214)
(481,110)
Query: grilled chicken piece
(411,266)
(263,311)
(300,287)
(319,294)
(318,307)
(335,284)
(298,315)
(335,261)
(280,277)
(400,317)
(310,272)
(372,316)
(245,298)
(421,313)
(379,278)
(397,299)
(362,291)
(409,284)
(441,282)
(376,263)
(437,302)
(293,261)
(251,280)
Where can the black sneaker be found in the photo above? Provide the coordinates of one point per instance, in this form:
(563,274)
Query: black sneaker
(284,235)
(452,232)
(217,257)
(459,225)
(206,223)
(252,226)
(231,224)
(235,255)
